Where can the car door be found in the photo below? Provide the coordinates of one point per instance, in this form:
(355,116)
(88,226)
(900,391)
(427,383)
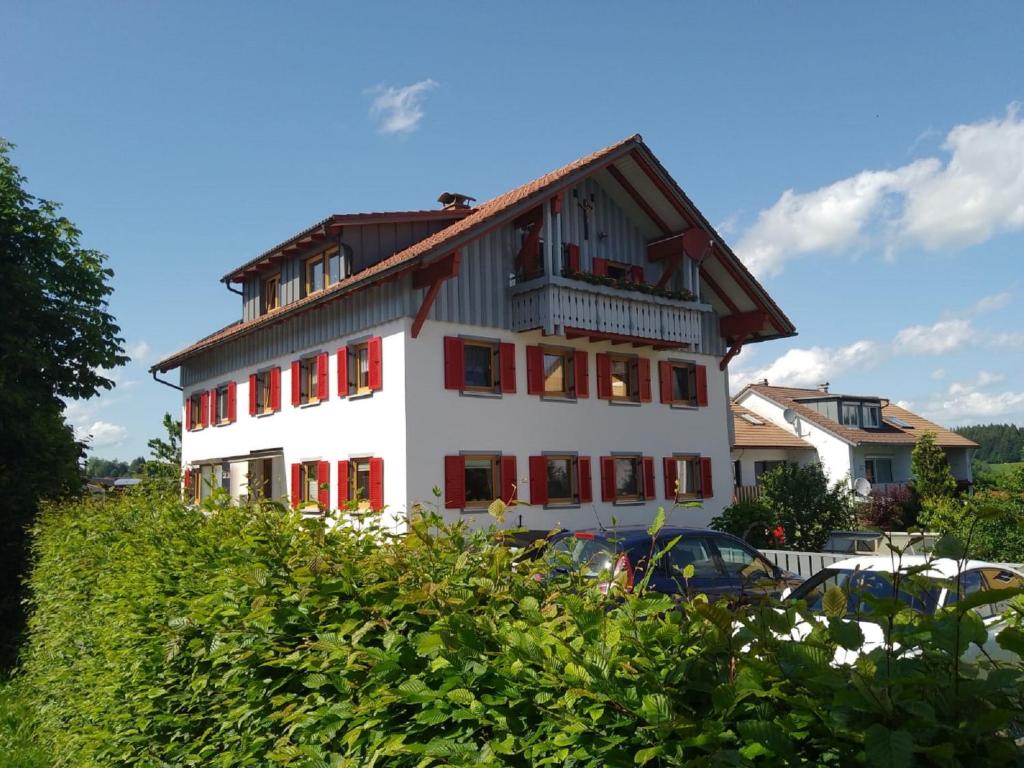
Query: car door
(746,573)
(707,576)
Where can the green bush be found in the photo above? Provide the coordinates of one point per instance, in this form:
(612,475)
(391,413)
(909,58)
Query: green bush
(800,499)
(168,636)
(750,521)
(991,521)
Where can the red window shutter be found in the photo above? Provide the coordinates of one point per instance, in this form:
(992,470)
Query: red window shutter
(323,484)
(665,380)
(296,373)
(636,274)
(454,482)
(204,409)
(671,476)
(534,371)
(343,484)
(188,413)
(275,388)
(323,389)
(252,394)
(538,480)
(212,418)
(507,357)
(604,376)
(600,267)
(509,481)
(343,389)
(644,369)
(232,401)
(707,487)
(376,350)
(702,385)
(377,483)
(581,375)
(572,257)
(187,480)
(607,478)
(585,482)
(296,484)
(649,487)
(454,366)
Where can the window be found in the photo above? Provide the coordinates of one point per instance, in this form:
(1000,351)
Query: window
(850,415)
(695,552)
(763,467)
(683,383)
(740,562)
(870,416)
(309,380)
(359,479)
(260,479)
(557,372)
(322,270)
(311,484)
(623,378)
(624,385)
(265,392)
(688,477)
(560,479)
(878,470)
(196,417)
(270,294)
(361,366)
(481,474)
(628,483)
(737,473)
(561,474)
(557,367)
(221,405)
(308,482)
(473,480)
(479,365)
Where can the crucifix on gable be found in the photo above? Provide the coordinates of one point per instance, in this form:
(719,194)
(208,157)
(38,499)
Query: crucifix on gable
(587,206)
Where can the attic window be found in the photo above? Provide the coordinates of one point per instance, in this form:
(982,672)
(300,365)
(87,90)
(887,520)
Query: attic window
(897,422)
(751,419)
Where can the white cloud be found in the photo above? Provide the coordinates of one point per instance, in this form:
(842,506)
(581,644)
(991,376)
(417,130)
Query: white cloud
(991,303)
(138,351)
(400,110)
(1015,339)
(934,339)
(813,366)
(977,193)
(983,379)
(101,434)
(938,374)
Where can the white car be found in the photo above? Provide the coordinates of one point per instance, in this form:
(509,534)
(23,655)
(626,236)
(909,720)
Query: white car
(934,587)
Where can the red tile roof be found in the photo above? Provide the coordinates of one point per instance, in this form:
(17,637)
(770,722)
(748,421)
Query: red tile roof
(764,435)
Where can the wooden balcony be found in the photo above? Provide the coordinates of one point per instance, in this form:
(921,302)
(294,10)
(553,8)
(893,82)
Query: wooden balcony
(746,493)
(560,305)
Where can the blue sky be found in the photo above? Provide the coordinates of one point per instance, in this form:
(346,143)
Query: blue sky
(867,159)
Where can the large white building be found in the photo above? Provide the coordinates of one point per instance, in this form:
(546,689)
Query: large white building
(565,344)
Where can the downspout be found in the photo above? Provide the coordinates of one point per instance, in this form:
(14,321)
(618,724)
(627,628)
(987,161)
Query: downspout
(227,285)
(165,383)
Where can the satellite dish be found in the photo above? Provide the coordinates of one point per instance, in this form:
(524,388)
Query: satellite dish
(789,415)
(862,487)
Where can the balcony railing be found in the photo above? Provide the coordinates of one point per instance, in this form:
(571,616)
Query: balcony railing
(560,302)
(746,493)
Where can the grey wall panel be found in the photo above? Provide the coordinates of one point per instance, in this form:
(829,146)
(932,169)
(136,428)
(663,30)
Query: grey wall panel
(622,240)
(250,298)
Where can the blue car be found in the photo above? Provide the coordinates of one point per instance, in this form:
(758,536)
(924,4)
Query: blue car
(724,567)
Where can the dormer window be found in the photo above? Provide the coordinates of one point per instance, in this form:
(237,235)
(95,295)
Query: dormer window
(322,270)
(270,293)
(850,415)
(870,416)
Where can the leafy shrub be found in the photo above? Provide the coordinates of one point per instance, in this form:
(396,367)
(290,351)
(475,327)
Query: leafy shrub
(800,499)
(930,467)
(991,522)
(751,521)
(894,509)
(164,635)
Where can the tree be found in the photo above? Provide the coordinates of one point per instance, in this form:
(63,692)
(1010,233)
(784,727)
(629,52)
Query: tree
(165,465)
(932,476)
(56,341)
(801,500)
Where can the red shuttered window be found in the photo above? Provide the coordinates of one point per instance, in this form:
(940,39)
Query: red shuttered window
(625,378)
(650,489)
(507,377)
(586,483)
(310,380)
(454,365)
(323,483)
(265,392)
(580,369)
(344,385)
(644,373)
(508,481)
(556,372)
(559,480)
(344,484)
(232,402)
(473,481)
(474,365)
(377,483)
(702,385)
(688,477)
(683,383)
(376,377)
(454,482)
(253,385)
(707,485)
(670,468)
(296,485)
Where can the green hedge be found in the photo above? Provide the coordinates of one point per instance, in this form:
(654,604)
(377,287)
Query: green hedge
(166,636)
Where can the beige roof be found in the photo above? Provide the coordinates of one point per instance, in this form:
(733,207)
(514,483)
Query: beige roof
(763,435)
(886,434)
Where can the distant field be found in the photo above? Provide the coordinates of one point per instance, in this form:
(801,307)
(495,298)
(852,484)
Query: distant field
(1005,469)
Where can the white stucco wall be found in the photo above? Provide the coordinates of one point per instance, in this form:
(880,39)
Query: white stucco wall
(747,457)
(960,463)
(899,454)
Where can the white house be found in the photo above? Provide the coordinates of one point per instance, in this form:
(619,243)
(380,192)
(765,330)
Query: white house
(758,446)
(565,344)
(853,436)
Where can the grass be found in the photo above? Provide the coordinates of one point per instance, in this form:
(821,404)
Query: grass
(1005,469)
(18,747)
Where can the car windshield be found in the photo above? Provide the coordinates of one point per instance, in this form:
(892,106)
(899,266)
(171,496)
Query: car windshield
(859,584)
(588,556)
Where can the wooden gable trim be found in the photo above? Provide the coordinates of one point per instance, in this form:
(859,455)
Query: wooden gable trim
(432,275)
(638,199)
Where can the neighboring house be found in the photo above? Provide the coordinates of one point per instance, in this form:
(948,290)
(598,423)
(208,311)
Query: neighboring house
(854,435)
(565,344)
(759,446)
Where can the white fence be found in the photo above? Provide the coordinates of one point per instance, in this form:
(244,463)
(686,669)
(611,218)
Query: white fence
(806,564)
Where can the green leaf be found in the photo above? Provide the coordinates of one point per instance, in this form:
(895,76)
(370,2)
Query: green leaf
(645,755)
(846,634)
(429,643)
(688,571)
(1012,640)
(949,546)
(497,509)
(834,602)
(885,748)
(655,708)
(658,523)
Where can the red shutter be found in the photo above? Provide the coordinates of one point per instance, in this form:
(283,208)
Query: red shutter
(604,376)
(376,482)
(343,389)
(707,487)
(323,389)
(454,482)
(376,350)
(343,484)
(702,385)
(204,409)
(671,476)
(252,394)
(296,483)
(275,388)
(665,380)
(212,418)
(649,487)
(600,267)
(232,401)
(507,357)
(296,373)
(644,368)
(323,484)
(188,413)
(509,481)
(454,366)
(585,482)
(636,274)
(607,478)
(534,371)
(538,480)
(572,257)
(582,375)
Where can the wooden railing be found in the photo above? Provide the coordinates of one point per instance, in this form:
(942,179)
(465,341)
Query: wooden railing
(566,303)
(746,493)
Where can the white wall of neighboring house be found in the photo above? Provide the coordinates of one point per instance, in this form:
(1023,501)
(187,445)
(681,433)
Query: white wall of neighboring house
(898,454)
(444,422)
(748,457)
(960,462)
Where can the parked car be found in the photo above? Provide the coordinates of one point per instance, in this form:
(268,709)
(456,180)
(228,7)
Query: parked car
(877,542)
(932,588)
(724,566)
